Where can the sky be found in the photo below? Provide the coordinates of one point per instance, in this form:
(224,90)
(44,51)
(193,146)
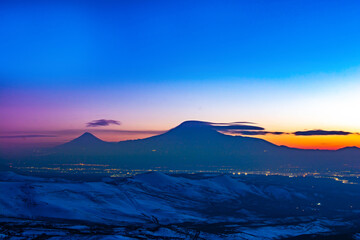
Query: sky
(287,66)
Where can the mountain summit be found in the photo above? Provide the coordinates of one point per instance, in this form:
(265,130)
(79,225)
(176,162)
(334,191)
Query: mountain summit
(191,130)
(86,138)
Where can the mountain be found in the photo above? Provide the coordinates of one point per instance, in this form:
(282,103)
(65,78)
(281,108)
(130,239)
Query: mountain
(85,139)
(196,144)
(87,143)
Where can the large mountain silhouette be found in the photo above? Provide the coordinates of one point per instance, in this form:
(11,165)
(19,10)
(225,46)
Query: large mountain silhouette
(196,144)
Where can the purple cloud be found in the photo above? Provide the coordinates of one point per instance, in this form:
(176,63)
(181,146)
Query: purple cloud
(244,123)
(224,127)
(102,123)
(28,136)
(321,133)
(257,133)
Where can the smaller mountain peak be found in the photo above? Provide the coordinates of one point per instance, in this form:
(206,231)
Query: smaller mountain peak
(87,134)
(87,138)
(84,141)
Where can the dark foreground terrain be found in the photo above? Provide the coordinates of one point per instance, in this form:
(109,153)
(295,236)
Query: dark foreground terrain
(188,206)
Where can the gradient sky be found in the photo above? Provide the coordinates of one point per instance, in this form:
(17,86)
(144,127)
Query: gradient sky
(285,65)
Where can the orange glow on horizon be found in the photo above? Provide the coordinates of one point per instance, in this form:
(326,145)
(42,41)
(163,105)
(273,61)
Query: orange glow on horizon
(330,142)
(314,142)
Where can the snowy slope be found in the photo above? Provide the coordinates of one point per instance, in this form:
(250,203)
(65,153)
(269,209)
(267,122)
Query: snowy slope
(255,211)
(138,199)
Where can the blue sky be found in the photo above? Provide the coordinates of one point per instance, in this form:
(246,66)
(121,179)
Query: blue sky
(102,42)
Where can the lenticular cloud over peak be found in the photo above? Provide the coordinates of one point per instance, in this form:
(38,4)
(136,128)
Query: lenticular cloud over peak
(102,123)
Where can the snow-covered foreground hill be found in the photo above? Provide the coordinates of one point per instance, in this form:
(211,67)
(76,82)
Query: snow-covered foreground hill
(159,206)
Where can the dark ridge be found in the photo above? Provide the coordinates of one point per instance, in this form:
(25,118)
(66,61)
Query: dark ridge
(353,148)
